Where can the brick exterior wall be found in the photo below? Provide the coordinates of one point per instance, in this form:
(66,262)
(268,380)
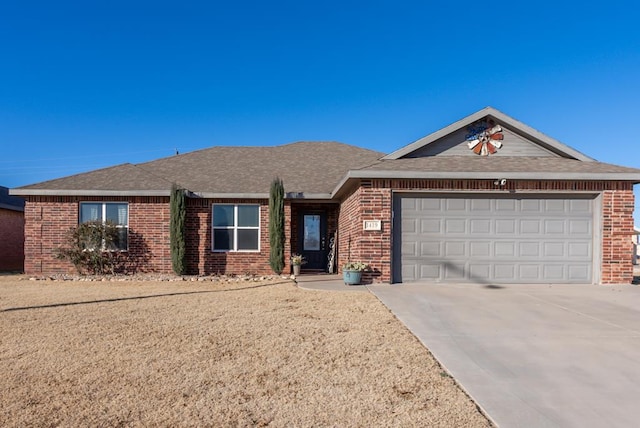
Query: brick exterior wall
(617,229)
(11,240)
(47,219)
(200,258)
(373,201)
(356,244)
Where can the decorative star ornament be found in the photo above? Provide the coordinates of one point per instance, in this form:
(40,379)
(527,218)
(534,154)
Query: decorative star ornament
(484,139)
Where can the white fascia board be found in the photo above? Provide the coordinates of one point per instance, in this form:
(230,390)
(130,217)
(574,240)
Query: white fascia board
(288,195)
(542,176)
(93,192)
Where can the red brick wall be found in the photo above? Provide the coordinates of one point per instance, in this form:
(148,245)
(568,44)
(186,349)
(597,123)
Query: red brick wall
(373,200)
(371,247)
(11,240)
(617,228)
(200,258)
(47,220)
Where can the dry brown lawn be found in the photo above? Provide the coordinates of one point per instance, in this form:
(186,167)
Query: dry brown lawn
(214,354)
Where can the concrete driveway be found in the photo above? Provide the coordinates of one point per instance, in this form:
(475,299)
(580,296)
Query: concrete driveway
(533,356)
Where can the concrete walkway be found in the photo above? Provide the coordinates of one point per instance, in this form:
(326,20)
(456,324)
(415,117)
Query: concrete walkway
(533,356)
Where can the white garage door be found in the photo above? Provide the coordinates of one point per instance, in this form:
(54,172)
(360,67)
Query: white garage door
(493,239)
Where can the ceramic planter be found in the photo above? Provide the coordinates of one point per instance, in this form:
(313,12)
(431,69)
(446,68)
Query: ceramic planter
(352,277)
(296,270)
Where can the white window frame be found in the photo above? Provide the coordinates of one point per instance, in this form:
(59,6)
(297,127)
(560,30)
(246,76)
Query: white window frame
(103,216)
(235,229)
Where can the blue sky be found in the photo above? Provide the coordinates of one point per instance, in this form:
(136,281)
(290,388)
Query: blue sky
(85,85)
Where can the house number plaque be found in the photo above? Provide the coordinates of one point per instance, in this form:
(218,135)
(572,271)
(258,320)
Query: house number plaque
(372,225)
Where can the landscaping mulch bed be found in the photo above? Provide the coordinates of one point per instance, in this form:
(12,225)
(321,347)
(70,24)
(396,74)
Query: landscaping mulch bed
(230,352)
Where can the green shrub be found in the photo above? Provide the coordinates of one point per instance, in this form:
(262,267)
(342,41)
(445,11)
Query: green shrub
(177,238)
(276,226)
(91,248)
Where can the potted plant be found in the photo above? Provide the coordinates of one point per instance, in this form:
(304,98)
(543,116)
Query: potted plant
(352,272)
(297,260)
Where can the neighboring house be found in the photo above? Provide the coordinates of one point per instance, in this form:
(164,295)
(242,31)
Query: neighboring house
(11,232)
(486,199)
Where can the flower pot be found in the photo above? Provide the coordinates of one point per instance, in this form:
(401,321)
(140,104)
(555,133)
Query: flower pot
(352,277)
(296,270)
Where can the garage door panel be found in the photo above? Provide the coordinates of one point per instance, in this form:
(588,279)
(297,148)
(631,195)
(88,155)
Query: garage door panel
(529,272)
(410,248)
(554,205)
(430,248)
(454,271)
(553,249)
(580,272)
(479,249)
(553,272)
(506,226)
(455,249)
(529,249)
(579,206)
(480,205)
(531,206)
(505,205)
(579,249)
(430,271)
(456,204)
(479,272)
(409,225)
(455,226)
(580,227)
(495,239)
(530,227)
(480,226)
(504,272)
(430,226)
(429,205)
(504,249)
(554,227)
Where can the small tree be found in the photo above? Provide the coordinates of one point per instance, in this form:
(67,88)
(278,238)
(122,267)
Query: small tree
(91,248)
(177,239)
(276,225)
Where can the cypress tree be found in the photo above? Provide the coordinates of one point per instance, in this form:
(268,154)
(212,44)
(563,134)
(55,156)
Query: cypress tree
(178,214)
(276,225)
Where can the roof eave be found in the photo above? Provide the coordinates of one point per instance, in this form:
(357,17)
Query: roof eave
(288,195)
(585,176)
(86,192)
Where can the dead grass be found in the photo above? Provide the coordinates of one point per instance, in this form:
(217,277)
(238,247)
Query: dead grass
(213,354)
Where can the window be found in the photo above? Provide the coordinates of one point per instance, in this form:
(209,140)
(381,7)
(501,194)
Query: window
(114,212)
(236,227)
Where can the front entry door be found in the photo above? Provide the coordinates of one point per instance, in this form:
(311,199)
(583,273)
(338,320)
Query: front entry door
(312,240)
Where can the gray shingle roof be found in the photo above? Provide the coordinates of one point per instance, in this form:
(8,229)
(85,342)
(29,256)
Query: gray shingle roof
(321,169)
(115,179)
(310,167)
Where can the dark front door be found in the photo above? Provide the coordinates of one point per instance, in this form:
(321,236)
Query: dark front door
(312,240)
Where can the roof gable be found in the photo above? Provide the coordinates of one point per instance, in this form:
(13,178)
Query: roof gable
(509,137)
